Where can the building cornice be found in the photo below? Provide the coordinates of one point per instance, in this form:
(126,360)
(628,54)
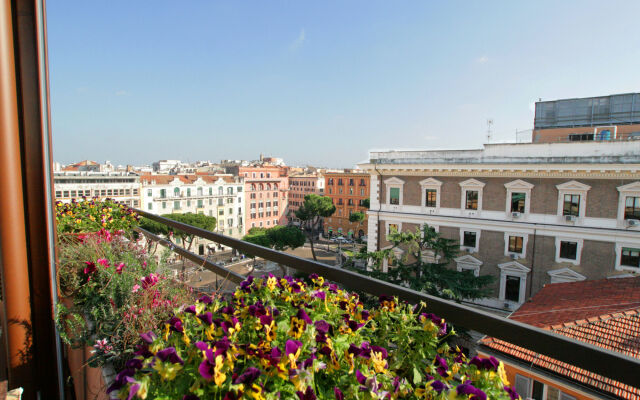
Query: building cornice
(591,171)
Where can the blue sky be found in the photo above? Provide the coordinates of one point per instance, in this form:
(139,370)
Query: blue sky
(322,82)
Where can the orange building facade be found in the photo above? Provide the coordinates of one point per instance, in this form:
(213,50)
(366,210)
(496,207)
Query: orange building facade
(348,190)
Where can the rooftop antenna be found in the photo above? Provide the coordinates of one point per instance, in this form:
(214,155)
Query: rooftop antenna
(489,124)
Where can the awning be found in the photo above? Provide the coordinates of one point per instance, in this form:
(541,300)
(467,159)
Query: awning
(330,229)
(339,229)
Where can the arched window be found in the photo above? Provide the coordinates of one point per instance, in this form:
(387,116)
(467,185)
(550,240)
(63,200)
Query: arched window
(268,175)
(275,186)
(220,191)
(176,192)
(268,186)
(253,187)
(261,187)
(261,175)
(230,190)
(199,191)
(254,175)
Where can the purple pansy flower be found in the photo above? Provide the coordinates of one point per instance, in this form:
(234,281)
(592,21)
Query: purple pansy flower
(322,326)
(302,315)
(512,393)
(307,395)
(467,388)
(169,354)
(175,324)
(485,363)
(338,393)
(148,337)
(205,299)
(206,317)
(248,376)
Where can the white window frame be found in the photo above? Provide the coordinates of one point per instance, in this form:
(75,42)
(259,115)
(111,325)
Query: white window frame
(395,183)
(518,186)
(525,240)
(430,183)
(513,268)
(467,248)
(564,275)
(629,190)
(619,247)
(387,223)
(573,187)
(468,262)
(470,185)
(579,242)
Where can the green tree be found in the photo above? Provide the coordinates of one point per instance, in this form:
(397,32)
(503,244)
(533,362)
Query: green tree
(198,220)
(311,213)
(366,203)
(356,217)
(424,266)
(277,237)
(157,229)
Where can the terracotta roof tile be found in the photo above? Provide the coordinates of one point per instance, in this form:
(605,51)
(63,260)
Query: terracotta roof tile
(617,329)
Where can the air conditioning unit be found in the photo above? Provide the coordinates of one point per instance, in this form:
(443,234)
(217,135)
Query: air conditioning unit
(633,222)
(515,214)
(570,218)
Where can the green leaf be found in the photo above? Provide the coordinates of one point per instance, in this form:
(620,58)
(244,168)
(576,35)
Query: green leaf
(417,377)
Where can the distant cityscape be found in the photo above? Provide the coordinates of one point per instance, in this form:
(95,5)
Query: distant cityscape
(564,207)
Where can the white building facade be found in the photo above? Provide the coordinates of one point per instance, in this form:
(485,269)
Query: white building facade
(120,186)
(219,196)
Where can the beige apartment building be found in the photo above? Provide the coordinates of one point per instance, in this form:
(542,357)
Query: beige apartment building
(528,214)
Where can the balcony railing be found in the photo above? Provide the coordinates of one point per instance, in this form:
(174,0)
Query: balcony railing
(562,348)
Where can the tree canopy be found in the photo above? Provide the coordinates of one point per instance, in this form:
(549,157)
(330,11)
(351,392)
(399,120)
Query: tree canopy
(198,220)
(277,237)
(311,213)
(424,266)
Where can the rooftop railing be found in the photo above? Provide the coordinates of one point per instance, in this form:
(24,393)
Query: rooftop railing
(607,363)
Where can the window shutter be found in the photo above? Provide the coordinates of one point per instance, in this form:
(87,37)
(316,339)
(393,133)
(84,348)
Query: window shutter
(522,386)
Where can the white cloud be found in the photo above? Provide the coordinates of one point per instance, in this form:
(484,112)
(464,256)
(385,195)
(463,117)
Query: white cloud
(482,59)
(299,41)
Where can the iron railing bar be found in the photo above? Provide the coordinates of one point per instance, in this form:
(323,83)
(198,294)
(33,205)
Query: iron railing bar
(215,268)
(571,351)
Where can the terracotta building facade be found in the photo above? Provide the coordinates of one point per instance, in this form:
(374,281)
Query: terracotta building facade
(301,185)
(348,190)
(528,214)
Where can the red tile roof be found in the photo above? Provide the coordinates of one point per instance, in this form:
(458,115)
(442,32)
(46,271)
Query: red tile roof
(576,310)
(165,179)
(558,303)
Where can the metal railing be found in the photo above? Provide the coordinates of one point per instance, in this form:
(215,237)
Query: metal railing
(604,362)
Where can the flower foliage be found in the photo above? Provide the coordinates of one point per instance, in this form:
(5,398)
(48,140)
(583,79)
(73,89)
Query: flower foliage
(281,338)
(93,215)
(111,289)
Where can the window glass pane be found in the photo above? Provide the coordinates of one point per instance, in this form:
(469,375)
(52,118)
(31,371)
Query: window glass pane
(568,250)
(471,200)
(538,390)
(632,208)
(515,244)
(517,202)
(512,288)
(394,196)
(571,205)
(522,386)
(430,197)
(469,239)
(630,257)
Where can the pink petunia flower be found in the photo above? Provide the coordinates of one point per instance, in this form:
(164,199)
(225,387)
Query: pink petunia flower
(135,288)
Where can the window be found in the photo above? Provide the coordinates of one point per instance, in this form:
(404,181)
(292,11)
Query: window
(188,192)
(350,202)
(163,193)
(330,181)
(176,205)
(471,200)
(188,203)
(229,200)
(220,191)
(529,388)
(513,280)
(351,182)
(221,211)
(210,191)
(210,202)
(164,204)
(571,205)
(469,239)
(230,190)
(632,207)
(568,250)
(340,201)
(200,203)
(467,263)
(518,201)
(176,192)
(362,182)
(393,228)
(394,196)
(220,202)
(515,244)
(471,191)
(58,193)
(340,190)
(512,288)
(199,191)
(340,182)
(572,198)
(431,196)
(149,192)
(630,257)
(330,191)
(150,206)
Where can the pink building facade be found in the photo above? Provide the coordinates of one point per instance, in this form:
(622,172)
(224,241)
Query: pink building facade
(267,195)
